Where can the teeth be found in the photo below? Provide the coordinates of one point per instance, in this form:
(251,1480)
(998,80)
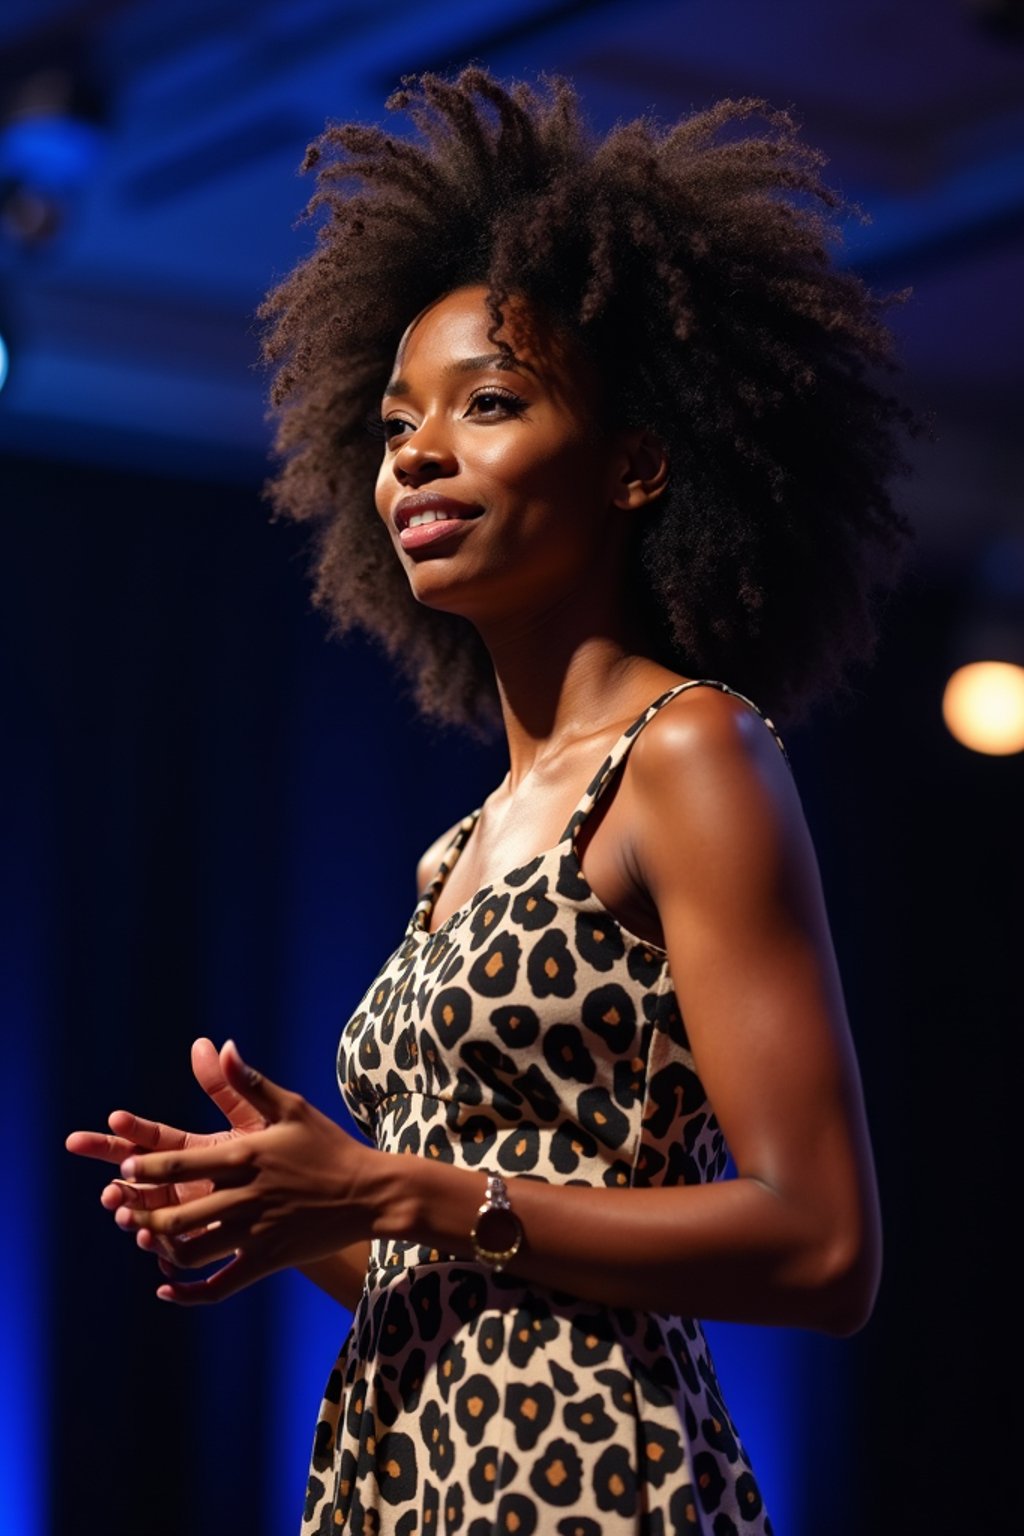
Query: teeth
(419,518)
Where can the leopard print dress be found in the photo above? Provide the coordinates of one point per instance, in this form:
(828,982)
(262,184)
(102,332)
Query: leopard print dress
(530,1035)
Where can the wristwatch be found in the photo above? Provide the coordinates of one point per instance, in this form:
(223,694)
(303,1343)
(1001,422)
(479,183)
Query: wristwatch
(498,1232)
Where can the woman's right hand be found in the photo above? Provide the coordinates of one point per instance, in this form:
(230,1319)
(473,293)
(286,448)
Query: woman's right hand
(131,1135)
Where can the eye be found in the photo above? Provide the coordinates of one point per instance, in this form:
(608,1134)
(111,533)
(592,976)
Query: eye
(393,426)
(386,427)
(490,404)
(496,403)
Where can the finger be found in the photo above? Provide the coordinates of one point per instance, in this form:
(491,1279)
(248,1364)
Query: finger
(145,1197)
(228,1281)
(149,1134)
(160,1248)
(271,1100)
(209,1074)
(97,1144)
(224,1162)
(196,1250)
(165,1249)
(175,1220)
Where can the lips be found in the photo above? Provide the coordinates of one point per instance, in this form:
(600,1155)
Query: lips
(426,508)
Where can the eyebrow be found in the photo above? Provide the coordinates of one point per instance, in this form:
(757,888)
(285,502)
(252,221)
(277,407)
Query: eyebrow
(400,386)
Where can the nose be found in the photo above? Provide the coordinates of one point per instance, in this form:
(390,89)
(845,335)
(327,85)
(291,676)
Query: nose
(423,456)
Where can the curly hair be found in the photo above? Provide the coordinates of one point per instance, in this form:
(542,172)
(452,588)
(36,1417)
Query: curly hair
(691,263)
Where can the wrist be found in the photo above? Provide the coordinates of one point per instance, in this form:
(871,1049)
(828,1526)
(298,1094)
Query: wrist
(433,1204)
(351,1191)
(398,1203)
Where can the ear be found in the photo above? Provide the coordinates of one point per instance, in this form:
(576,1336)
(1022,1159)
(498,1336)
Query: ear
(642,470)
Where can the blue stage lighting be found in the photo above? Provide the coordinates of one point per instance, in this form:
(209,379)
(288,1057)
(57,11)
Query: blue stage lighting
(4,361)
(50,154)
(50,143)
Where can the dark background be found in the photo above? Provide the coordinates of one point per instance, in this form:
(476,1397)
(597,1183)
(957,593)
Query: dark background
(212,814)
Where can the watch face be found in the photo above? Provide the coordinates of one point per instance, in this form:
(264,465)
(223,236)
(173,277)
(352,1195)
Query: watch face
(498,1230)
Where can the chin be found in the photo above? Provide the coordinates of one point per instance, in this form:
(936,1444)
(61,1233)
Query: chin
(444,595)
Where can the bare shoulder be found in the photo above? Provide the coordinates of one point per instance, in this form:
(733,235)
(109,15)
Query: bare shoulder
(707,724)
(430,862)
(709,767)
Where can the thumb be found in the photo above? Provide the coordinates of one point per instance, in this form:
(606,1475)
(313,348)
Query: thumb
(272,1101)
(211,1077)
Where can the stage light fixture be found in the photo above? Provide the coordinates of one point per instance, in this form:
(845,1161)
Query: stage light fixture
(50,143)
(4,360)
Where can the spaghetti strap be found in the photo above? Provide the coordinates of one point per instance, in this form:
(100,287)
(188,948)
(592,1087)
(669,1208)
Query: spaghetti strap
(423,908)
(620,750)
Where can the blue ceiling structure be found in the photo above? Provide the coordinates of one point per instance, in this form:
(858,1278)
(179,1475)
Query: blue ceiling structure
(136,243)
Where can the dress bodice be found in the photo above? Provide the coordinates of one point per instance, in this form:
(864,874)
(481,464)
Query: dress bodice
(532,1032)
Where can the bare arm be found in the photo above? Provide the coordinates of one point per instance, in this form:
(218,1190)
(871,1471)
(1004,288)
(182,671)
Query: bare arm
(721,845)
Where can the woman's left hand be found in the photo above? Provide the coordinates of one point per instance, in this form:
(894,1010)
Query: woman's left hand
(290,1194)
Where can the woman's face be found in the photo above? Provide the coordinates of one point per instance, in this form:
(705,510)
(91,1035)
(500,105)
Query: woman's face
(497,486)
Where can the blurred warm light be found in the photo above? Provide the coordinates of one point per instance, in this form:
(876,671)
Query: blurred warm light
(983,707)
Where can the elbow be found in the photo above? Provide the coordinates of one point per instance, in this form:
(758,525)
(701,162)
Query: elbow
(831,1264)
(846,1311)
(847,1286)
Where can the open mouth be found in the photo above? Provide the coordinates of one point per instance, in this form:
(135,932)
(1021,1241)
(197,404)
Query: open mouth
(424,508)
(427,517)
(421,519)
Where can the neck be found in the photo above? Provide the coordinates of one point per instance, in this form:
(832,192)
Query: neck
(562,675)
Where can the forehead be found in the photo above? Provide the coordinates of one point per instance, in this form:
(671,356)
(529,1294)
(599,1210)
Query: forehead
(452,324)
(457,328)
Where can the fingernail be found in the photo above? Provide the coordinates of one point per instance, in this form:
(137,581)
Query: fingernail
(123,1216)
(128,1168)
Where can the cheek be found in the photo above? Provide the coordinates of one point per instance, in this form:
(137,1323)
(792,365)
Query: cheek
(536,464)
(567,476)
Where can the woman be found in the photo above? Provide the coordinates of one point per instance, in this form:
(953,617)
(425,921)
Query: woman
(633,476)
